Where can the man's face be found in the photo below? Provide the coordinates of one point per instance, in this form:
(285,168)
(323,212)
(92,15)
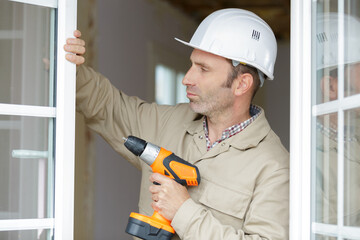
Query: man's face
(205,83)
(353,78)
(351,83)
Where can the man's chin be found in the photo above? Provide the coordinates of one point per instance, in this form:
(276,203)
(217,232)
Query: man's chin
(196,108)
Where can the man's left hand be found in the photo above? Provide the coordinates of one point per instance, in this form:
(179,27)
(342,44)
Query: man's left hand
(168,196)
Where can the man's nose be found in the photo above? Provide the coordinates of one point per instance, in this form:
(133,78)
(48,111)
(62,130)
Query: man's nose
(187,80)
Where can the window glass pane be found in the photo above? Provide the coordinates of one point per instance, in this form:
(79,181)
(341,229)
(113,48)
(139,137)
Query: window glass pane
(352,77)
(352,48)
(26,167)
(326,169)
(352,168)
(333,58)
(321,237)
(41,234)
(164,85)
(326,51)
(25,53)
(336,63)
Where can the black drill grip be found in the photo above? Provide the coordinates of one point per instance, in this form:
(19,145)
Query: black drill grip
(178,179)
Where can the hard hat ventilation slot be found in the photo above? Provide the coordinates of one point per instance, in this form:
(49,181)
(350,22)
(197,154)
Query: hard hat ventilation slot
(321,37)
(255,35)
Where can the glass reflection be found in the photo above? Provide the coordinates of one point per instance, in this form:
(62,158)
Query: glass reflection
(326,169)
(26,168)
(352,168)
(334,59)
(41,234)
(326,198)
(26,70)
(321,237)
(336,62)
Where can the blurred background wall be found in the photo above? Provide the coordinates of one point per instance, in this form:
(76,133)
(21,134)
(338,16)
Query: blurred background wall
(120,37)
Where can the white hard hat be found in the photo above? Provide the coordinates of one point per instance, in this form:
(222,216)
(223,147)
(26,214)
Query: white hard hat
(239,35)
(327,40)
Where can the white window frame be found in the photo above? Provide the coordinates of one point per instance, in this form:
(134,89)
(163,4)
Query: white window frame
(65,125)
(302,111)
(300,120)
(64,113)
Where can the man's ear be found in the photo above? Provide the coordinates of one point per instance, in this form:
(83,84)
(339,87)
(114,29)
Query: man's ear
(329,88)
(242,84)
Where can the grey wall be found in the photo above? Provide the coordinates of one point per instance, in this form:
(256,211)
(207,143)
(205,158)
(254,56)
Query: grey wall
(125,28)
(274,96)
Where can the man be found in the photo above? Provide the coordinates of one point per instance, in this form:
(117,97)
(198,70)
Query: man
(244,167)
(327,138)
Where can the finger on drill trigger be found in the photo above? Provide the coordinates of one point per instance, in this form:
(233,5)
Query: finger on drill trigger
(155,197)
(158,178)
(154,189)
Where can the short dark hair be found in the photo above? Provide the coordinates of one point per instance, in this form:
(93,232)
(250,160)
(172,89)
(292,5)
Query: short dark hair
(241,69)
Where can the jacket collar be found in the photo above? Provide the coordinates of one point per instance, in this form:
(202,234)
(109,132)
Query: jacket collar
(250,137)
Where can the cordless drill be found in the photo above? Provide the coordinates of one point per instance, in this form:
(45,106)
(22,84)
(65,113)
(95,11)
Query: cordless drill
(167,163)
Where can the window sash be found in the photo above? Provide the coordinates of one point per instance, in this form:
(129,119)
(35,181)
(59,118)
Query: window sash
(43,3)
(301,137)
(64,113)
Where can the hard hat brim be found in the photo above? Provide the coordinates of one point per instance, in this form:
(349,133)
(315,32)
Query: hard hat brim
(189,44)
(240,60)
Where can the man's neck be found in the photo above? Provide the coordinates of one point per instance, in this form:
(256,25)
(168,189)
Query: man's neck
(217,124)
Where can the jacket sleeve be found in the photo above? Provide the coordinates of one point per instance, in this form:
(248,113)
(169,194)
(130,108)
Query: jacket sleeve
(266,218)
(114,115)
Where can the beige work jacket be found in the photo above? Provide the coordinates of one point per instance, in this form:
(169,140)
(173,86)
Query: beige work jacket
(327,176)
(244,189)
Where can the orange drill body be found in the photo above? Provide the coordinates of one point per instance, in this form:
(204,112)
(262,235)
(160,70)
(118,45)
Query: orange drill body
(168,164)
(176,168)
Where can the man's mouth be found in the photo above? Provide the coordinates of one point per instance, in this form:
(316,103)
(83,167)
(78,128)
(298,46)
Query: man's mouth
(190,94)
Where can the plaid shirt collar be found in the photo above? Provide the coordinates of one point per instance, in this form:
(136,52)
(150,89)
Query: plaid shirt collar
(233,130)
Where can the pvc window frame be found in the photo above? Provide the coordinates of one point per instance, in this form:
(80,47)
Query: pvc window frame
(64,113)
(300,120)
(302,113)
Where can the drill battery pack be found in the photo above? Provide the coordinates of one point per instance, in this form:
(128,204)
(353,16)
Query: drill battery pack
(145,227)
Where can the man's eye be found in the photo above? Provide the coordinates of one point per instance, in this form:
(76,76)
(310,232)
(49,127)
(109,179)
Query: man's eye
(204,69)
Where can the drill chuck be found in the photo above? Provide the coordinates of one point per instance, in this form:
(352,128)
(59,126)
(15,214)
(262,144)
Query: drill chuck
(148,152)
(135,145)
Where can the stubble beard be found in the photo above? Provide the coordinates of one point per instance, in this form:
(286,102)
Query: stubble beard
(213,104)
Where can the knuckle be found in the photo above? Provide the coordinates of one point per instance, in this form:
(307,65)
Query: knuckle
(78,49)
(154,205)
(162,194)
